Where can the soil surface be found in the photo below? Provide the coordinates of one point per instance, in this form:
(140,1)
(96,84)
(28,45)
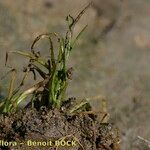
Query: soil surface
(83,130)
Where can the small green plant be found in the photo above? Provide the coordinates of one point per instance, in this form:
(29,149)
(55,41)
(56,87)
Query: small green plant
(54,70)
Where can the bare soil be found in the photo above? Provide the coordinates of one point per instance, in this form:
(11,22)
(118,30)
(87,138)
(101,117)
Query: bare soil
(53,125)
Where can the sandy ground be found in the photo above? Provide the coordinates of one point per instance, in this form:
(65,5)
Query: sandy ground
(111,60)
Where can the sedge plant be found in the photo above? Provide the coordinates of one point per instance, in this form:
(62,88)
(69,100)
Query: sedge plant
(53,70)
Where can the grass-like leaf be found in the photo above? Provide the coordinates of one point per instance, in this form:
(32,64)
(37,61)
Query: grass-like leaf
(53,70)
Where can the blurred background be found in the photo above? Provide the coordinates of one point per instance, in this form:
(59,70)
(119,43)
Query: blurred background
(111,59)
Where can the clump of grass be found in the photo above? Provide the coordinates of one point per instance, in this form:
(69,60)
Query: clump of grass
(53,71)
